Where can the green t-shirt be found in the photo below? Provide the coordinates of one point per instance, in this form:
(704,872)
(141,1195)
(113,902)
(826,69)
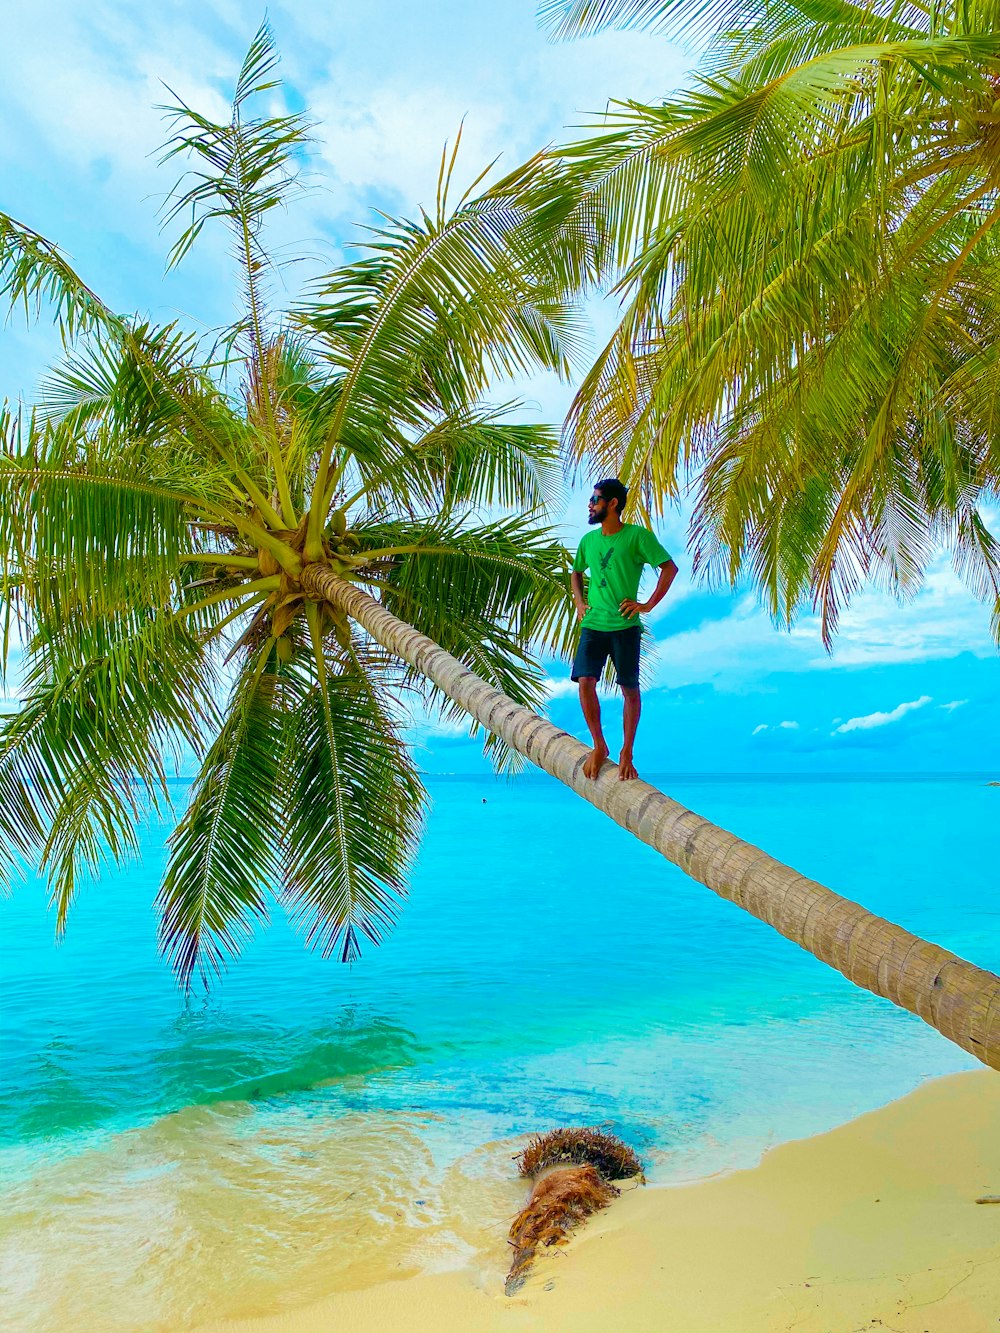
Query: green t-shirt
(616,564)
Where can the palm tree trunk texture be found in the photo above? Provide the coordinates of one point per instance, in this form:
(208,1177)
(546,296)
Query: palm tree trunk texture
(959,999)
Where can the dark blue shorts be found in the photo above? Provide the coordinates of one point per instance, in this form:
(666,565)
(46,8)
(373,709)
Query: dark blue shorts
(621,645)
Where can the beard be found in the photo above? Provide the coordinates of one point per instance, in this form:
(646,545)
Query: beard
(594,517)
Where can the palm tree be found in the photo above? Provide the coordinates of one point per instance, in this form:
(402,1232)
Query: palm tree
(805,241)
(177,521)
(161,536)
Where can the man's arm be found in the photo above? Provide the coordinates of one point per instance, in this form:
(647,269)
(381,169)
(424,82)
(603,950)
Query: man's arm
(576,583)
(668,572)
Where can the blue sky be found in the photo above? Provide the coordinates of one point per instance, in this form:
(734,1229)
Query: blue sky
(909,688)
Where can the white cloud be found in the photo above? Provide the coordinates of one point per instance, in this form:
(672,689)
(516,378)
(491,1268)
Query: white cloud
(955,703)
(779,726)
(560,689)
(883,719)
(390,140)
(942,620)
(384,112)
(86,86)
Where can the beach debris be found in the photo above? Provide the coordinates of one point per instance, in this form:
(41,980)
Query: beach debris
(572,1171)
(989,1198)
(579,1147)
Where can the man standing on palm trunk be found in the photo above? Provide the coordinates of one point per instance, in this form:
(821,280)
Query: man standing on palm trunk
(615,556)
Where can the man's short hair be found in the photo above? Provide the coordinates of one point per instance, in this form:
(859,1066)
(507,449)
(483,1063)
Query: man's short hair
(612,489)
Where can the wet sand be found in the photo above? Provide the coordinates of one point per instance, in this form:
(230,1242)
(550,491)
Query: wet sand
(874,1226)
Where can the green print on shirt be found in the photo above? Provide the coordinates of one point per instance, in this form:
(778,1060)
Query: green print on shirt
(616,562)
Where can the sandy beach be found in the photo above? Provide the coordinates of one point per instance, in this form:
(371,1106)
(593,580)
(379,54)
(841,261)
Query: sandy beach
(873,1226)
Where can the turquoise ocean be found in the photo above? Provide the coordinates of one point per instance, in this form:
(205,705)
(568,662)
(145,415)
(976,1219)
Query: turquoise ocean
(169,1160)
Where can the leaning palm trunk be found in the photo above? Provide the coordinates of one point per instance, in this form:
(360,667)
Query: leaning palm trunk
(959,999)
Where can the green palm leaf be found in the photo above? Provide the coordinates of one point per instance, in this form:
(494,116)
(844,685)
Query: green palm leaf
(89,532)
(247,165)
(223,855)
(353,811)
(426,321)
(84,754)
(509,573)
(476,457)
(35,273)
(489,594)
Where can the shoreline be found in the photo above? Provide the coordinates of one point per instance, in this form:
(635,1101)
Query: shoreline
(872,1225)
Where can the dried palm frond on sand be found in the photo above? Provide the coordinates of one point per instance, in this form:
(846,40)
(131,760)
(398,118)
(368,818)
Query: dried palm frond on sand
(572,1170)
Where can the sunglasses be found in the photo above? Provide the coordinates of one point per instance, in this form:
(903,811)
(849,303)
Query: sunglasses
(595,499)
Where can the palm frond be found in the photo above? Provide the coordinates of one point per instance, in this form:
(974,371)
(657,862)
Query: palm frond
(430,316)
(476,457)
(510,572)
(259,63)
(89,534)
(83,756)
(223,857)
(491,595)
(244,168)
(34,274)
(135,386)
(575,18)
(245,165)
(353,811)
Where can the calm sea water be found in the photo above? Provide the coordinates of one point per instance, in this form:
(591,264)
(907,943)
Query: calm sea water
(313,1124)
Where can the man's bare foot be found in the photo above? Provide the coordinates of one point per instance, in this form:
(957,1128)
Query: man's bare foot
(594,762)
(626,768)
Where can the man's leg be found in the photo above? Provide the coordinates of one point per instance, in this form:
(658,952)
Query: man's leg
(591,706)
(591,654)
(625,654)
(630,721)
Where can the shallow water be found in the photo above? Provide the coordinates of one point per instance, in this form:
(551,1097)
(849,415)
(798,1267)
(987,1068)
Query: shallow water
(318,1126)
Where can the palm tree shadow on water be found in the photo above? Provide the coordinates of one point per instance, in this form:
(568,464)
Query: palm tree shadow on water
(219,1209)
(202,1058)
(217,1061)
